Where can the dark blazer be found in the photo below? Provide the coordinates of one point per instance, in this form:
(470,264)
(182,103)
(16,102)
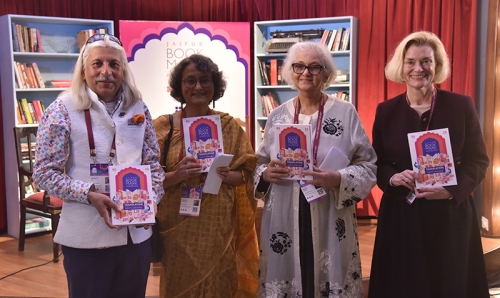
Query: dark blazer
(395,119)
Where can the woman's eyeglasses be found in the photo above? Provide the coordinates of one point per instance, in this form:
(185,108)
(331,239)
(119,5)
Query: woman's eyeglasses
(191,82)
(313,69)
(98,37)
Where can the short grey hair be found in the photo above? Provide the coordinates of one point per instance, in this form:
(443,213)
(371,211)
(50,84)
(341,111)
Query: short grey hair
(313,47)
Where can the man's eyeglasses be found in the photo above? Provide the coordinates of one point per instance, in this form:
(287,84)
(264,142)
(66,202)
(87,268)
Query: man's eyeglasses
(313,69)
(191,82)
(98,37)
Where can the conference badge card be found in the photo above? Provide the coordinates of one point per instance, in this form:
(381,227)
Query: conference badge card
(203,139)
(293,146)
(432,157)
(131,188)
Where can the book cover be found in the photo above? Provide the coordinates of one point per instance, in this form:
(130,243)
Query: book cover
(131,188)
(38,109)
(19,82)
(336,43)
(38,75)
(32,112)
(273,65)
(293,145)
(15,38)
(18,113)
(203,139)
(332,40)
(26,111)
(21,76)
(432,157)
(31,74)
(19,30)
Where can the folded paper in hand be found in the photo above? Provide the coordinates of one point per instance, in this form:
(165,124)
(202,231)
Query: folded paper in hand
(213,181)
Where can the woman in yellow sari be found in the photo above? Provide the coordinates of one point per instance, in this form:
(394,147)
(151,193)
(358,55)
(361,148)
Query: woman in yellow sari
(214,254)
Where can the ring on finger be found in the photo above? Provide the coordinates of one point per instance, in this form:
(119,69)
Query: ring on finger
(187,171)
(406,180)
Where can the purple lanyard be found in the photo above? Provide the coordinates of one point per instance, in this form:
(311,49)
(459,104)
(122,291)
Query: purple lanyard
(90,134)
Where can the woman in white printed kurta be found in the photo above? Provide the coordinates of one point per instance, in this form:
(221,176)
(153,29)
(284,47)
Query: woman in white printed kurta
(329,234)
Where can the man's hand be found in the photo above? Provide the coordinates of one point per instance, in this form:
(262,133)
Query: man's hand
(102,203)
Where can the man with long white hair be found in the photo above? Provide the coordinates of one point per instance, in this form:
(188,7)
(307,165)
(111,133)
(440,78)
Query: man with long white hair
(99,121)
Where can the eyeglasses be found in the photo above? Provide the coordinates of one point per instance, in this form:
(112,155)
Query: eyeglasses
(313,69)
(191,82)
(98,37)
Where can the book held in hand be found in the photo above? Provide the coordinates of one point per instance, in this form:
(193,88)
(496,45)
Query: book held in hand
(131,188)
(432,157)
(293,146)
(203,139)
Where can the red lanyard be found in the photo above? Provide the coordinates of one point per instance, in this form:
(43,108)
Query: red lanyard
(318,123)
(181,151)
(90,135)
(433,103)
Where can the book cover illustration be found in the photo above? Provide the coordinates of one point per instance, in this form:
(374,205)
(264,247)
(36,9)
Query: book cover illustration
(432,157)
(203,139)
(294,147)
(131,188)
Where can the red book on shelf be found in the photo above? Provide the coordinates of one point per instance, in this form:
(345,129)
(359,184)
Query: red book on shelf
(274,72)
(61,83)
(38,109)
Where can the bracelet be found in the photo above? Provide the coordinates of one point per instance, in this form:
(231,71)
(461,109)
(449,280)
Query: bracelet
(390,180)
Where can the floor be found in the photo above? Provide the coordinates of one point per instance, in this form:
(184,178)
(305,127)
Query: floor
(47,279)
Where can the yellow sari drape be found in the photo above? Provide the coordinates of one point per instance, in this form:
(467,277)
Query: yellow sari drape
(216,253)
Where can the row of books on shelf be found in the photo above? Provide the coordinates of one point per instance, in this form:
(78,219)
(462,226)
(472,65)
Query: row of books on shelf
(336,39)
(270,72)
(26,39)
(28,76)
(269,102)
(84,35)
(342,95)
(29,112)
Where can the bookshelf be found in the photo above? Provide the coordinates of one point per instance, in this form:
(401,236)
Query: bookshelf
(55,61)
(345,61)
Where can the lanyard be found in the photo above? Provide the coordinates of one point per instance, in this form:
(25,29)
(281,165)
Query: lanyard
(433,103)
(318,123)
(181,151)
(90,135)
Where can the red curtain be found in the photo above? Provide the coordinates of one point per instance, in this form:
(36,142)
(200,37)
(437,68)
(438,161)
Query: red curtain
(382,24)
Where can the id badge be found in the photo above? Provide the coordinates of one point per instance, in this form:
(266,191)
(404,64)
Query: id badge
(99,176)
(190,201)
(311,193)
(410,197)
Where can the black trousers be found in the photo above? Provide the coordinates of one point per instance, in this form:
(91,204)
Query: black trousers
(306,248)
(120,271)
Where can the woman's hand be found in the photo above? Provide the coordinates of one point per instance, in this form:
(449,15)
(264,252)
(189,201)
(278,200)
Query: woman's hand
(433,193)
(406,178)
(275,172)
(323,178)
(188,168)
(234,178)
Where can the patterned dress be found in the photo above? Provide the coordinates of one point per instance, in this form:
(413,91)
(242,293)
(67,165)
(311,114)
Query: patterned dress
(333,226)
(215,254)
